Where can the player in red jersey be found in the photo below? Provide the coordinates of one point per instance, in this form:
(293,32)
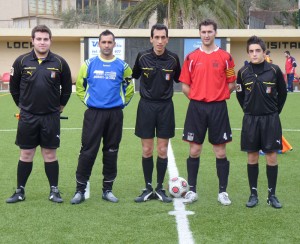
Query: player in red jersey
(290,65)
(208,78)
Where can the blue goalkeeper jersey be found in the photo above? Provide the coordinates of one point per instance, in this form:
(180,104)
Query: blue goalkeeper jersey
(104,83)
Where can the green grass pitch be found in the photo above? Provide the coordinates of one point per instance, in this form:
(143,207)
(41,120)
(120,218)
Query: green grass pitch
(37,220)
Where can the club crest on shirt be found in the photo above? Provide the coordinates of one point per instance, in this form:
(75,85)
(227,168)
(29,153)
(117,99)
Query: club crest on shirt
(215,64)
(238,87)
(269,90)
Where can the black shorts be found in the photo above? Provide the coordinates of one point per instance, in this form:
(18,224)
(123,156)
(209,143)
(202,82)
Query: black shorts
(202,116)
(98,124)
(261,133)
(155,119)
(35,130)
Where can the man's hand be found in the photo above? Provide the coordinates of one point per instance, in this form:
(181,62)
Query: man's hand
(231,86)
(61,108)
(185,89)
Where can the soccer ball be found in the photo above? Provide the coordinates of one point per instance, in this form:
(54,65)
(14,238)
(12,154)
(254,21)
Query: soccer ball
(178,187)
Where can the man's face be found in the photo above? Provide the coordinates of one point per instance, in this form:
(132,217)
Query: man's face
(159,41)
(41,43)
(207,35)
(256,54)
(107,44)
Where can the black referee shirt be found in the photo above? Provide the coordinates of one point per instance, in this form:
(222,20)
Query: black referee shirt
(261,89)
(40,88)
(157,74)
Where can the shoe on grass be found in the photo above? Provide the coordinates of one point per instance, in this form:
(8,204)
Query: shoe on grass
(78,198)
(190,197)
(109,196)
(18,196)
(146,195)
(161,195)
(224,199)
(252,202)
(274,202)
(54,195)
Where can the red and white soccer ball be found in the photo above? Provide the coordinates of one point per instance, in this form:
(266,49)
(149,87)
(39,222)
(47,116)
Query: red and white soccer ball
(178,187)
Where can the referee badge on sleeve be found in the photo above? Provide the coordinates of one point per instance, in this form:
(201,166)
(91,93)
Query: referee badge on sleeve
(238,87)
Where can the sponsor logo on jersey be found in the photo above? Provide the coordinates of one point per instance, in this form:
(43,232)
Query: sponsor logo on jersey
(110,75)
(98,72)
(101,74)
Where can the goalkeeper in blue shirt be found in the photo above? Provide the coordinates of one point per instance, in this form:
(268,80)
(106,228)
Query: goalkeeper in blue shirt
(104,85)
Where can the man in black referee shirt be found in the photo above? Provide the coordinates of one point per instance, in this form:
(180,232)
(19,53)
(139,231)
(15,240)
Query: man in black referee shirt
(41,85)
(158,68)
(261,92)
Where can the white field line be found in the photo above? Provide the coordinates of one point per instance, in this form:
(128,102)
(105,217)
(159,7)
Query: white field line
(235,129)
(131,128)
(184,234)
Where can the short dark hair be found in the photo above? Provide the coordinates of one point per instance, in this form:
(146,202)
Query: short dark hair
(40,28)
(106,33)
(159,27)
(268,52)
(287,52)
(207,22)
(256,40)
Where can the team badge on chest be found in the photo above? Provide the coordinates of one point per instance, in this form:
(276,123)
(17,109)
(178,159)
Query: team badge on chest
(167,76)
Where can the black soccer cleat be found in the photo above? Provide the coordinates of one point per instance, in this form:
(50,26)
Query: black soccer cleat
(252,202)
(146,195)
(78,198)
(54,195)
(160,194)
(18,196)
(273,201)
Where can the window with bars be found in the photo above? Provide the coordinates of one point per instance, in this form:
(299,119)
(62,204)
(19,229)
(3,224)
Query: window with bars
(83,4)
(47,7)
(127,3)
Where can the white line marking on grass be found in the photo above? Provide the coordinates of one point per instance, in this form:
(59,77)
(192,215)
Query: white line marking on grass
(238,129)
(129,128)
(293,130)
(183,229)
(9,130)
